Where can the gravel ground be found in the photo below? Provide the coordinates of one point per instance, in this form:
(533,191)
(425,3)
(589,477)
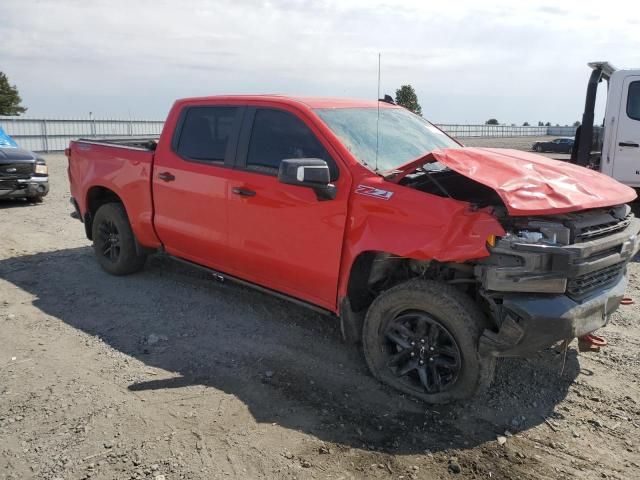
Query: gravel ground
(167,375)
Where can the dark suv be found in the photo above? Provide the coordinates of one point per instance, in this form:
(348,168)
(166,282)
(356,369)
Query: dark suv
(22,173)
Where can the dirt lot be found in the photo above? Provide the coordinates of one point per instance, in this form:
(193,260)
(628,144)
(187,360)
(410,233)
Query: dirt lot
(168,375)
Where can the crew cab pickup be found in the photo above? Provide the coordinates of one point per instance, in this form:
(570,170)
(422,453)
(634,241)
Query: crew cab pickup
(437,257)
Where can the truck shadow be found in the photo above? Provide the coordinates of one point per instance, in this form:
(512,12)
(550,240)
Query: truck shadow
(287,364)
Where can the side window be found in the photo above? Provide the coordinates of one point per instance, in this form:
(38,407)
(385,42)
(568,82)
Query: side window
(277,135)
(205,133)
(633,100)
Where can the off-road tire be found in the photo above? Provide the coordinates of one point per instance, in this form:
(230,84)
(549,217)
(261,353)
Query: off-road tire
(455,312)
(111,221)
(35,199)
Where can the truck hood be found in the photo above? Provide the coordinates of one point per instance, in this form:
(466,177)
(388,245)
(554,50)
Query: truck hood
(527,183)
(16,155)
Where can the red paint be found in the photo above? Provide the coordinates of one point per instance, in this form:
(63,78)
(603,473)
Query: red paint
(124,171)
(531,184)
(283,238)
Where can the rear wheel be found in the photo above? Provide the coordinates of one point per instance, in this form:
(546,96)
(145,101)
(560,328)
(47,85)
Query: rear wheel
(35,199)
(113,241)
(539,148)
(421,337)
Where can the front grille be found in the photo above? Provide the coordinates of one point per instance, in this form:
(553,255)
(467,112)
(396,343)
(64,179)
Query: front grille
(592,232)
(584,284)
(9,185)
(16,170)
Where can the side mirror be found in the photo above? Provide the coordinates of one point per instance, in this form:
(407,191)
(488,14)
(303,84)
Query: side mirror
(308,172)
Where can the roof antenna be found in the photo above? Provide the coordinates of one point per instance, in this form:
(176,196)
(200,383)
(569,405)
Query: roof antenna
(378,118)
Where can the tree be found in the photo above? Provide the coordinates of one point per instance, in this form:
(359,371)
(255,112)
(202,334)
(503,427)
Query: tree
(492,121)
(525,124)
(576,123)
(548,124)
(540,124)
(9,98)
(407,98)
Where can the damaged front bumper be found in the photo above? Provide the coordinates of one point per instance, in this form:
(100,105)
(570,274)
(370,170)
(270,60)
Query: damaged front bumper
(24,187)
(540,294)
(533,322)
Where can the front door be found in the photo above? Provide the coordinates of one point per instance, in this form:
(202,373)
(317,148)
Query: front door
(283,236)
(626,163)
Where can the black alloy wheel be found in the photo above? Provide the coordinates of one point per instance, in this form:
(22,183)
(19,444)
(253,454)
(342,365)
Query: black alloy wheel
(109,238)
(422,351)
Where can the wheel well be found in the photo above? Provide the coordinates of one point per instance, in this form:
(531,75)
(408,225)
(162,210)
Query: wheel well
(96,197)
(373,272)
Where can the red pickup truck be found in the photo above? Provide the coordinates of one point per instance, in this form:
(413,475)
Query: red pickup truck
(439,258)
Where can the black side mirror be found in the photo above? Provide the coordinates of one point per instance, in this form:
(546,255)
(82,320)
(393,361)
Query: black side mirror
(308,172)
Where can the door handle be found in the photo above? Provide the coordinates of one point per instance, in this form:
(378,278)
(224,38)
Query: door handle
(629,144)
(244,192)
(166,177)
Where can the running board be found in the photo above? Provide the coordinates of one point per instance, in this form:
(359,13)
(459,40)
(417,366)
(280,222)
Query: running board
(221,277)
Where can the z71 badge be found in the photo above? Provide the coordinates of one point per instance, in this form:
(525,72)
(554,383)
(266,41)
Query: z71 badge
(374,192)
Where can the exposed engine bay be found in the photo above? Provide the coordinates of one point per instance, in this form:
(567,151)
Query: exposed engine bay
(437,179)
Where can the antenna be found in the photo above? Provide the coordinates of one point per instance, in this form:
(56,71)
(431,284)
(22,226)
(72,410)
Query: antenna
(378,118)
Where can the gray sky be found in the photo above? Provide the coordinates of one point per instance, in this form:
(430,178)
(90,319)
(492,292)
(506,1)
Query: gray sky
(468,60)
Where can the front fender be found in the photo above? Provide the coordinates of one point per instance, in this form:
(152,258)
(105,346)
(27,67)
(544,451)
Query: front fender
(414,224)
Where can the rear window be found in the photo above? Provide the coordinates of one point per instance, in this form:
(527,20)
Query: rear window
(633,101)
(205,133)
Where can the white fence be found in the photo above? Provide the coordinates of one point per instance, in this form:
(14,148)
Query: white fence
(460,130)
(50,135)
(562,131)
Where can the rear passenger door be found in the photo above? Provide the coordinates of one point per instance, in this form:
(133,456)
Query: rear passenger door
(190,183)
(282,236)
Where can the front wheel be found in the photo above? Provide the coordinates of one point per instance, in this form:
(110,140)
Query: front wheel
(539,148)
(113,241)
(421,337)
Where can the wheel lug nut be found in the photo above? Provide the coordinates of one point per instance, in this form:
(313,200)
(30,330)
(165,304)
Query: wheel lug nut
(431,359)
(422,340)
(413,344)
(431,349)
(413,354)
(421,362)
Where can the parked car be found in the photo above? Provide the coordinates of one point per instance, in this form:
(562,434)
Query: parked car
(23,174)
(438,258)
(557,145)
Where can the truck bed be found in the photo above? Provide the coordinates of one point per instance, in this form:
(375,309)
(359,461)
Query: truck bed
(102,167)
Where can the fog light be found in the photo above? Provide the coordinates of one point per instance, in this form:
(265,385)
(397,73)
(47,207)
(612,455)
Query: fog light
(491,240)
(41,169)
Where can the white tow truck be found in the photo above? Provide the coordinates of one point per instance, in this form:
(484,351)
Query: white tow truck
(614,147)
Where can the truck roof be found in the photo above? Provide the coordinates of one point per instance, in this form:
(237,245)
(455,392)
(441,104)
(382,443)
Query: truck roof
(310,102)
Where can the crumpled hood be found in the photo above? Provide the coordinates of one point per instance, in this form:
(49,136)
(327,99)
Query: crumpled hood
(531,184)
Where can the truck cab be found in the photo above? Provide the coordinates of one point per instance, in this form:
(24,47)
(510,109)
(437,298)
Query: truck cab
(614,146)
